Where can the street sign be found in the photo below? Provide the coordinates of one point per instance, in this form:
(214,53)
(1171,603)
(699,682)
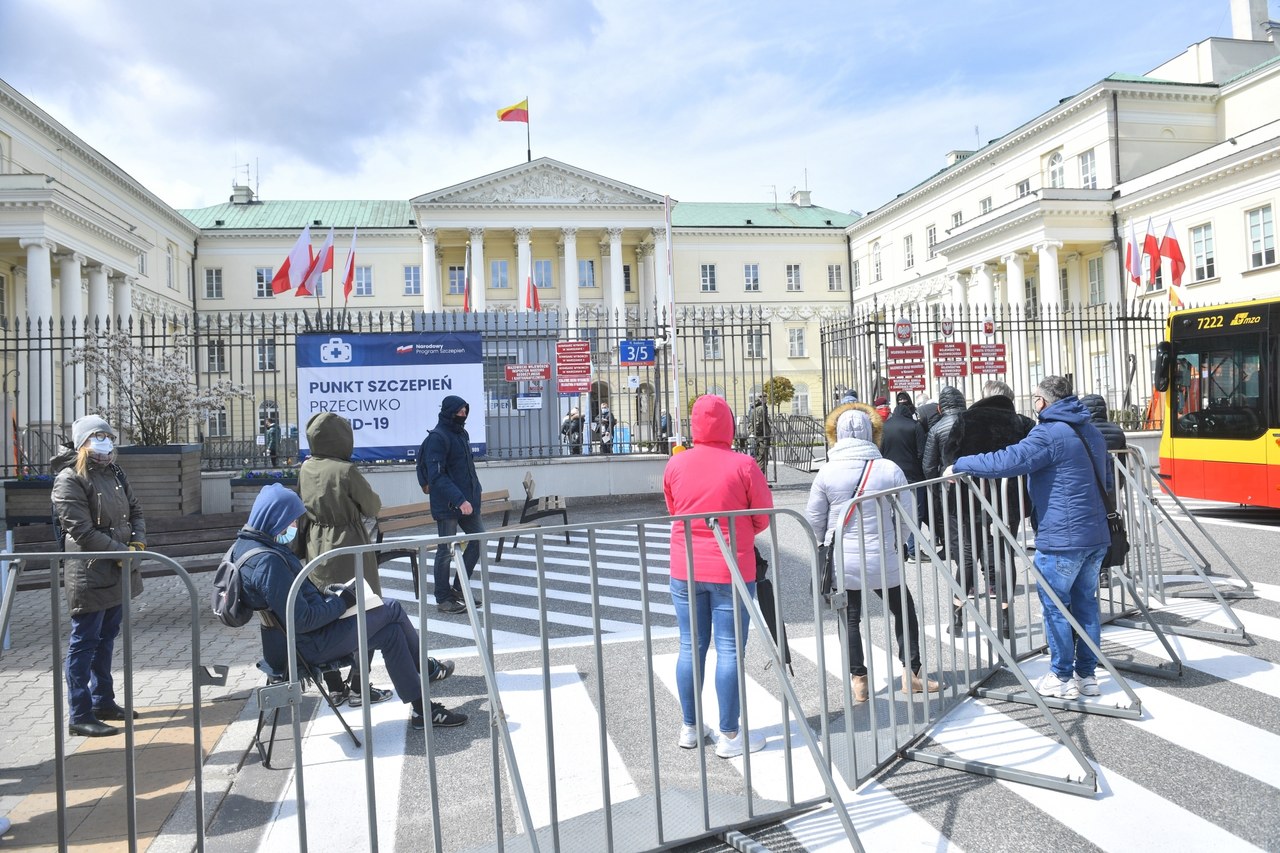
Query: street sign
(636,353)
(527,372)
(987,358)
(905,367)
(950,360)
(573,367)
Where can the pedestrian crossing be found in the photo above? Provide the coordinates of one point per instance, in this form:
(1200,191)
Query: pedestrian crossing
(1212,728)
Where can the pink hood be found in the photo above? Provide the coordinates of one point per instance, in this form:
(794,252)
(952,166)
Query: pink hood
(711,421)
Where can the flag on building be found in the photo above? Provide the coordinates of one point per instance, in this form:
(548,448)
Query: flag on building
(531,300)
(1151,248)
(1133,257)
(349,271)
(294,269)
(466,281)
(1170,249)
(320,264)
(515,112)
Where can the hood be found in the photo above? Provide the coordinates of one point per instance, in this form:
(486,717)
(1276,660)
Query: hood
(999,401)
(1068,410)
(950,400)
(853,424)
(833,419)
(329,435)
(711,421)
(904,410)
(1096,406)
(66,456)
(449,406)
(274,509)
(928,414)
(853,448)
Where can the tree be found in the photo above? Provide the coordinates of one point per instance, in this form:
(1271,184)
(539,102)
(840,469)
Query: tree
(150,395)
(778,390)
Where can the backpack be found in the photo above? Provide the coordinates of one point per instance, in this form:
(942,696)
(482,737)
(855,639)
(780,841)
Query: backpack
(229,603)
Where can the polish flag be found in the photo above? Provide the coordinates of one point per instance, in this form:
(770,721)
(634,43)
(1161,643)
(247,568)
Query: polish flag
(531,300)
(466,281)
(1170,249)
(1151,248)
(1133,257)
(320,265)
(293,271)
(349,271)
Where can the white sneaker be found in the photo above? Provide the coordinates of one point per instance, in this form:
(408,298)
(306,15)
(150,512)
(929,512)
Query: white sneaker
(1053,686)
(731,747)
(689,736)
(1087,685)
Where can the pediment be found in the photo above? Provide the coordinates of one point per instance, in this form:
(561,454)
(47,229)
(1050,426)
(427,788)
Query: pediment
(542,183)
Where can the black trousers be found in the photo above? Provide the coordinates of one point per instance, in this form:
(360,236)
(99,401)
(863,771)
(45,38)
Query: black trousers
(908,640)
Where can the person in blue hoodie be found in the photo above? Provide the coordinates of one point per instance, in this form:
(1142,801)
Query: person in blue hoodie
(1065,459)
(323,635)
(447,473)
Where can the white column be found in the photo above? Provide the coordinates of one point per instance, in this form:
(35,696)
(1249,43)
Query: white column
(1050,306)
(123,298)
(99,302)
(570,277)
(1015,297)
(38,384)
(617,296)
(1111,274)
(1015,278)
(71,308)
(986,280)
(644,260)
(477,269)
(524,267)
(959,289)
(661,277)
(432,298)
(1075,293)
(1075,361)
(1047,254)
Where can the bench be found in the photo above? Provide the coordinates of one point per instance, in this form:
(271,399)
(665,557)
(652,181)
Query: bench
(196,542)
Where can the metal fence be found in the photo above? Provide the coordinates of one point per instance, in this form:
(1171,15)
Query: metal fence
(719,350)
(1105,349)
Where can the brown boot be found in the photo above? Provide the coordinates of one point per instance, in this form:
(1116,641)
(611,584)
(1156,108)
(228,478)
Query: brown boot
(913,683)
(860,689)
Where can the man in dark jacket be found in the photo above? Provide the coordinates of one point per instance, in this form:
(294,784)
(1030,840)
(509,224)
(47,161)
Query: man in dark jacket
(902,442)
(1064,457)
(988,425)
(323,634)
(953,531)
(447,472)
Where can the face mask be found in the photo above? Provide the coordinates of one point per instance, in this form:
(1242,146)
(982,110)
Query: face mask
(287,536)
(101,446)
(460,419)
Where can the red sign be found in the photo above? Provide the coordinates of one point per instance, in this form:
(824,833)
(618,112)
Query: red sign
(948,351)
(573,367)
(950,360)
(981,367)
(902,329)
(907,383)
(950,368)
(527,372)
(912,353)
(988,326)
(906,369)
(988,358)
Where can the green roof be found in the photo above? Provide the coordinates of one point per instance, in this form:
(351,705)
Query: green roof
(293,215)
(693,214)
(1139,78)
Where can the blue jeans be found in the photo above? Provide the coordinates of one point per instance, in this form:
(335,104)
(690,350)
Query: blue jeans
(470,554)
(713,605)
(93,641)
(1073,575)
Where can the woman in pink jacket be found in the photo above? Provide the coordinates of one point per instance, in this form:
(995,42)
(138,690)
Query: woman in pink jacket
(711,477)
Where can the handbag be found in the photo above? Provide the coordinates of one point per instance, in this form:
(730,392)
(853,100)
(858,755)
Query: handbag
(828,549)
(1119,548)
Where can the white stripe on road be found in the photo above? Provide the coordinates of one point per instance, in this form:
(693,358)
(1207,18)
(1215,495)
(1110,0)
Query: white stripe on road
(1255,624)
(1214,659)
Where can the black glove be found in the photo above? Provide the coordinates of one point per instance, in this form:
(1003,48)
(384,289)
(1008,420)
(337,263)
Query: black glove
(346,593)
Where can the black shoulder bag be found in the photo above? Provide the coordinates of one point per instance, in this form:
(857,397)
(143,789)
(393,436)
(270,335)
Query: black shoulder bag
(1119,549)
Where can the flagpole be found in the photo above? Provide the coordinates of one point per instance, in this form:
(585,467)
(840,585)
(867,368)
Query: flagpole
(672,349)
(528,135)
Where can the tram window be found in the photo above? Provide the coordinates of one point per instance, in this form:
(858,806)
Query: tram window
(1217,392)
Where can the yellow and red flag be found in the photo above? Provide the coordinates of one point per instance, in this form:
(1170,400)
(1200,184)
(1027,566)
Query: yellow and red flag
(515,112)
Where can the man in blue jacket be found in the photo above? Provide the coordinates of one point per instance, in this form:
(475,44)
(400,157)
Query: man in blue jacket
(323,635)
(447,473)
(1064,458)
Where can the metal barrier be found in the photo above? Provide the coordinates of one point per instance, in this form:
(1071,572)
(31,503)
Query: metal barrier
(19,562)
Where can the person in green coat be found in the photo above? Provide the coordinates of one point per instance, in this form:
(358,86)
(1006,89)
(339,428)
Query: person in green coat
(337,497)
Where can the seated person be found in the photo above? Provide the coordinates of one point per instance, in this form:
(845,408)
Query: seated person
(323,635)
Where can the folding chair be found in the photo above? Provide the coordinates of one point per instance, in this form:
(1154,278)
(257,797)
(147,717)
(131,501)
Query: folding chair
(543,507)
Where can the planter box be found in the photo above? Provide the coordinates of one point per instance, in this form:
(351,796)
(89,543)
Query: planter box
(28,502)
(244,490)
(165,479)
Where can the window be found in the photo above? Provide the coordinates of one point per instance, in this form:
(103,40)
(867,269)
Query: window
(542,273)
(4,302)
(169,263)
(835,280)
(1096,294)
(457,280)
(984,206)
(908,252)
(877,270)
(216,423)
(751,278)
(262,278)
(412,280)
(498,275)
(931,239)
(217,356)
(957,219)
(1032,285)
(1102,374)
(1056,176)
(1064,286)
(1216,390)
(795,343)
(1262,237)
(793,278)
(626,278)
(712,344)
(755,343)
(266,354)
(364,282)
(708,278)
(142,264)
(1202,266)
(855,275)
(317,286)
(1088,171)
(213,283)
(586,273)
(1024,188)
(800,399)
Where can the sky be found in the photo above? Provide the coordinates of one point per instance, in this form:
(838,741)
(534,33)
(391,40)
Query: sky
(703,100)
